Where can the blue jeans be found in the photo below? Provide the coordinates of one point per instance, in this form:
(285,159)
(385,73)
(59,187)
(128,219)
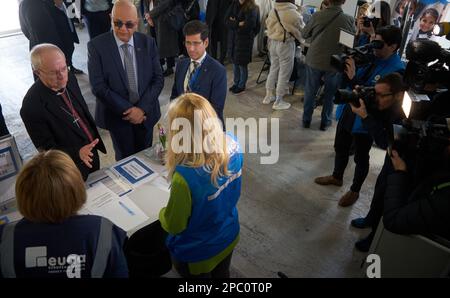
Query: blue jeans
(312,84)
(240,75)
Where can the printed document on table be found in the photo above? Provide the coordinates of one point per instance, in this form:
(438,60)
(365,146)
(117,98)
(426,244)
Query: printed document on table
(134,171)
(114,182)
(121,211)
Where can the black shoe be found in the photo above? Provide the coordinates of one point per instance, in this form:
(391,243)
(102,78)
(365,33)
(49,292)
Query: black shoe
(232,88)
(306,124)
(168,72)
(238,90)
(75,70)
(364,244)
(359,223)
(323,127)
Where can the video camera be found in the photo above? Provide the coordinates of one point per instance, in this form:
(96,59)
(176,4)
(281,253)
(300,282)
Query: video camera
(421,143)
(367,94)
(361,55)
(428,63)
(367,20)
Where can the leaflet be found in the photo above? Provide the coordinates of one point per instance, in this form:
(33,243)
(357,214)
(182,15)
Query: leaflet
(121,211)
(134,171)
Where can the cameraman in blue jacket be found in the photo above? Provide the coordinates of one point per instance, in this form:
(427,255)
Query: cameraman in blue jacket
(349,128)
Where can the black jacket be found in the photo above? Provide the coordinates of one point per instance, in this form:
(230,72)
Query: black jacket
(380,124)
(50,127)
(42,22)
(3,128)
(425,211)
(240,39)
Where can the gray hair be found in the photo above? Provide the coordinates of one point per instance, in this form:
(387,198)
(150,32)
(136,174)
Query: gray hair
(36,52)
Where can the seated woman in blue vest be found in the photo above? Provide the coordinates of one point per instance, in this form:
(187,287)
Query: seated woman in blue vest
(52,240)
(205,166)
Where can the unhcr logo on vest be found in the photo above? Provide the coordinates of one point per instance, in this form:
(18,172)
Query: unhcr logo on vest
(251,131)
(73,264)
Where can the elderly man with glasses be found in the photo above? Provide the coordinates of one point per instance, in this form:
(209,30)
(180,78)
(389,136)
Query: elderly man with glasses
(55,114)
(126,78)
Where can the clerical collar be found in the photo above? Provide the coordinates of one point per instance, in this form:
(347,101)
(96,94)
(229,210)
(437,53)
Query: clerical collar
(61,91)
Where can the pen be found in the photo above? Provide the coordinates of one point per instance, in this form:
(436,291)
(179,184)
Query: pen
(126,208)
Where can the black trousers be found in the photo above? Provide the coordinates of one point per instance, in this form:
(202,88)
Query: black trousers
(218,42)
(129,139)
(222,270)
(3,128)
(169,60)
(377,205)
(97,22)
(342,144)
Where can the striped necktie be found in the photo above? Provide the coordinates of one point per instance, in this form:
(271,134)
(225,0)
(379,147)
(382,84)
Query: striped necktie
(191,74)
(129,69)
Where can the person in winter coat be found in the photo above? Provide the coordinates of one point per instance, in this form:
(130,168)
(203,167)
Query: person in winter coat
(166,36)
(242,20)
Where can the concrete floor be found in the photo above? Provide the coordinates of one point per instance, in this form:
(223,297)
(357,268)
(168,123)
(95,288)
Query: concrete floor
(288,223)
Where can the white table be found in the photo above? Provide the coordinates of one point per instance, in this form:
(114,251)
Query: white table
(150,197)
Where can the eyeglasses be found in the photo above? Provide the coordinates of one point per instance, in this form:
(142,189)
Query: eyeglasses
(382,95)
(193,43)
(128,25)
(54,73)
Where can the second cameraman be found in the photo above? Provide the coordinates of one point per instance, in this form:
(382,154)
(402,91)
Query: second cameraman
(349,128)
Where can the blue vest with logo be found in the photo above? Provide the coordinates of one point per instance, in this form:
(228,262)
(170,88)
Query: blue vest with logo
(213,224)
(383,67)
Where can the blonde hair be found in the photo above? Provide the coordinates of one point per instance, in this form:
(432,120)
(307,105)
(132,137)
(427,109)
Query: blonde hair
(197,111)
(364,10)
(50,188)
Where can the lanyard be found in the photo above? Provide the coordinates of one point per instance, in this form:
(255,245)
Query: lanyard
(194,77)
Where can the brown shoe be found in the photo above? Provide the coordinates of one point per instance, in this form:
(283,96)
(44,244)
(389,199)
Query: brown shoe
(327,180)
(348,199)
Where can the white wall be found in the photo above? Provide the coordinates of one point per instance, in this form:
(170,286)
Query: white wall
(349,6)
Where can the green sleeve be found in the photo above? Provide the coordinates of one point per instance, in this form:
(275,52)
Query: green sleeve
(175,216)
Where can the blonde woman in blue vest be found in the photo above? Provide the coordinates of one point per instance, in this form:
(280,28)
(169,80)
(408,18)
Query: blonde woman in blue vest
(205,167)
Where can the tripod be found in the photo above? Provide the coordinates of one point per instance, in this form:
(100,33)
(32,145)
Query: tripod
(264,68)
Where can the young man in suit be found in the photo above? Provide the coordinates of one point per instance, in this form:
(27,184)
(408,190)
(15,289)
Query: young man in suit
(55,114)
(200,73)
(126,78)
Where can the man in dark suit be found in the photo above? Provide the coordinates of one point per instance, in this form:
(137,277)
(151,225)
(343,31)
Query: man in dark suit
(55,113)
(126,78)
(46,21)
(200,73)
